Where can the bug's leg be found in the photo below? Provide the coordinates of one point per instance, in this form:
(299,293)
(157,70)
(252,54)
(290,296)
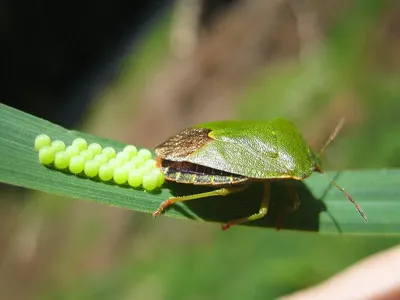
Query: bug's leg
(261,213)
(219,192)
(294,198)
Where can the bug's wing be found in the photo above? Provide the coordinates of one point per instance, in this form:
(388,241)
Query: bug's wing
(257,150)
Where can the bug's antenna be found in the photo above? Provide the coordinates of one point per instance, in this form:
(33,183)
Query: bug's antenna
(359,209)
(332,136)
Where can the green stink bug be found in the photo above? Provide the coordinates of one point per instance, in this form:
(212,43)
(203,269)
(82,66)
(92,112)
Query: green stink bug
(232,154)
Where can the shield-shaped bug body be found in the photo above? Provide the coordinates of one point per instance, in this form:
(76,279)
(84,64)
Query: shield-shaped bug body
(230,155)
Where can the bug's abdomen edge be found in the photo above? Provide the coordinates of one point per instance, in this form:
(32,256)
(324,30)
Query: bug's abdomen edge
(185,172)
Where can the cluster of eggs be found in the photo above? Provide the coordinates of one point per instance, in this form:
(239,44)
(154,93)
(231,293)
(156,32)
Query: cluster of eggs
(129,166)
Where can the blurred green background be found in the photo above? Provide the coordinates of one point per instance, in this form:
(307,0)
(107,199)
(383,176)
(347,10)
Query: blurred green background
(313,62)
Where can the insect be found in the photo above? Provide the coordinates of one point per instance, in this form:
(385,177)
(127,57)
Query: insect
(230,155)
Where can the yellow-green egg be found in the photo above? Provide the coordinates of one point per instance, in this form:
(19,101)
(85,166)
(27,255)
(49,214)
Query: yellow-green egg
(58,146)
(149,181)
(138,160)
(80,143)
(131,150)
(41,141)
(72,150)
(124,156)
(87,155)
(151,164)
(91,168)
(102,158)
(147,168)
(130,165)
(142,170)
(115,162)
(145,154)
(160,176)
(121,175)
(76,164)
(95,148)
(135,178)
(109,152)
(46,155)
(106,172)
(61,160)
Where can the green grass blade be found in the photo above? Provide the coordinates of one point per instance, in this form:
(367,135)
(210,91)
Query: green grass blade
(377,191)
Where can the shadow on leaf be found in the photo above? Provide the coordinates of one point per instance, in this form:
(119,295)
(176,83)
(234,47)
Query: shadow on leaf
(225,208)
